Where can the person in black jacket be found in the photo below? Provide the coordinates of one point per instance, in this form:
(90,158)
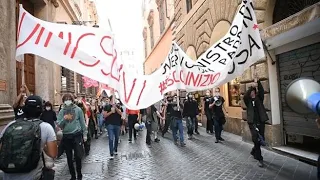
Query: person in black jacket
(48,115)
(218,114)
(256,117)
(190,112)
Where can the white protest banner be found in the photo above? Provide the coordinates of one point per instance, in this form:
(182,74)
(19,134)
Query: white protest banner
(90,52)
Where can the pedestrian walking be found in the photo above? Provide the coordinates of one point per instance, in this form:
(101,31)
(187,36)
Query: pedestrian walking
(48,115)
(71,121)
(217,105)
(133,116)
(175,108)
(208,112)
(113,114)
(190,112)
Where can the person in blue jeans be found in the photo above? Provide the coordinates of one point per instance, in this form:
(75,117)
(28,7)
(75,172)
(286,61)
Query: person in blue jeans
(175,109)
(112,114)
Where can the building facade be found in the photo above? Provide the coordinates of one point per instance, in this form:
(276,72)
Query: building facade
(157,32)
(289,29)
(290,55)
(42,77)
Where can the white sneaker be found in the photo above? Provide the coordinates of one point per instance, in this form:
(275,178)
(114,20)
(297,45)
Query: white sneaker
(115,153)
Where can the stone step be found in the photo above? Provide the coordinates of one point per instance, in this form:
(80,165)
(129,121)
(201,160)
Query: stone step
(296,153)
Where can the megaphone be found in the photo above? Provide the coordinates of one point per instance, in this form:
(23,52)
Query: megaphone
(303,96)
(217,101)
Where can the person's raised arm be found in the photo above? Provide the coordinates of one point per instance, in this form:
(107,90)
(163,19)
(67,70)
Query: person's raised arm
(246,97)
(260,91)
(17,101)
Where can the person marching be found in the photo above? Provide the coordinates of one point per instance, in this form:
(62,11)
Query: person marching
(174,107)
(217,105)
(190,112)
(132,116)
(206,102)
(71,120)
(256,117)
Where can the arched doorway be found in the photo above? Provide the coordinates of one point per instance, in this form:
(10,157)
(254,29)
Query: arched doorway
(29,61)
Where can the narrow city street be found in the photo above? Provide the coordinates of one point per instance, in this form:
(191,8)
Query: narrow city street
(201,159)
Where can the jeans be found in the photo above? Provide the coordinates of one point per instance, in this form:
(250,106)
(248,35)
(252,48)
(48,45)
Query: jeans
(196,124)
(190,124)
(132,120)
(175,127)
(256,150)
(209,122)
(113,135)
(73,143)
(100,121)
(217,127)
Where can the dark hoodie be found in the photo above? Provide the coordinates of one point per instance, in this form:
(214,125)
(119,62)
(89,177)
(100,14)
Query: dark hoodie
(49,116)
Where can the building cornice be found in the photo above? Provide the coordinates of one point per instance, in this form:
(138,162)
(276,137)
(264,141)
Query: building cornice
(67,6)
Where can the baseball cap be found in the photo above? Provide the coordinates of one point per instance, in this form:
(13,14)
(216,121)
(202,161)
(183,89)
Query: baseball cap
(34,102)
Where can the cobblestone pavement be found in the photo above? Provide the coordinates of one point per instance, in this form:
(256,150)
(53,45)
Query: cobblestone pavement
(201,159)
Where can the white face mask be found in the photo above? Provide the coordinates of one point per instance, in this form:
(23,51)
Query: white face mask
(208,94)
(217,94)
(68,102)
(48,108)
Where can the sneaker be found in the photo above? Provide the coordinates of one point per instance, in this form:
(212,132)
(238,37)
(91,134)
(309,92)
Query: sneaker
(79,177)
(221,139)
(156,140)
(261,164)
(175,142)
(217,141)
(197,133)
(130,140)
(115,153)
(111,156)
(182,144)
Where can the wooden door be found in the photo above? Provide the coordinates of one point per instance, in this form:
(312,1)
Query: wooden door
(29,60)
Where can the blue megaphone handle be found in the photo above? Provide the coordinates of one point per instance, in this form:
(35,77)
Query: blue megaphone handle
(314,102)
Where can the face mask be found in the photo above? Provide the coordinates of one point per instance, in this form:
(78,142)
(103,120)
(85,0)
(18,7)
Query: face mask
(217,94)
(68,102)
(190,97)
(208,94)
(48,108)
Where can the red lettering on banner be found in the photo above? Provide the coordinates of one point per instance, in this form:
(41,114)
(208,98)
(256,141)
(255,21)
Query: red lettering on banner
(199,80)
(174,77)
(140,94)
(127,98)
(191,78)
(181,73)
(20,23)
(78,41)
(35,29)
(102,39)
(66,49)
(39,35)
(90,65)
(207,78)
(48,39)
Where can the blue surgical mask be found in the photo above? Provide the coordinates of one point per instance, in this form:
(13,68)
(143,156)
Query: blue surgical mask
(68,102)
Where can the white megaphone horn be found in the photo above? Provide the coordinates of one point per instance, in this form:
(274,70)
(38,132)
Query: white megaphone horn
(303,96)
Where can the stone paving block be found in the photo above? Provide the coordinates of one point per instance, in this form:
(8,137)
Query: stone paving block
(201,159)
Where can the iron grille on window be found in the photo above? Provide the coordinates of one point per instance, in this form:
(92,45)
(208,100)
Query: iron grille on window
(67,80)
(189,5)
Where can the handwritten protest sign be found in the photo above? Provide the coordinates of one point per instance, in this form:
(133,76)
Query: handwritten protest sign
(90,52)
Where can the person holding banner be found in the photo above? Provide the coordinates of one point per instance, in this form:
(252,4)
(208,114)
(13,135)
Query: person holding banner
(256,117)
(174,107)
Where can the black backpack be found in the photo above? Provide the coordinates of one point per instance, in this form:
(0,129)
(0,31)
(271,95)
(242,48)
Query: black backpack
(21,146)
